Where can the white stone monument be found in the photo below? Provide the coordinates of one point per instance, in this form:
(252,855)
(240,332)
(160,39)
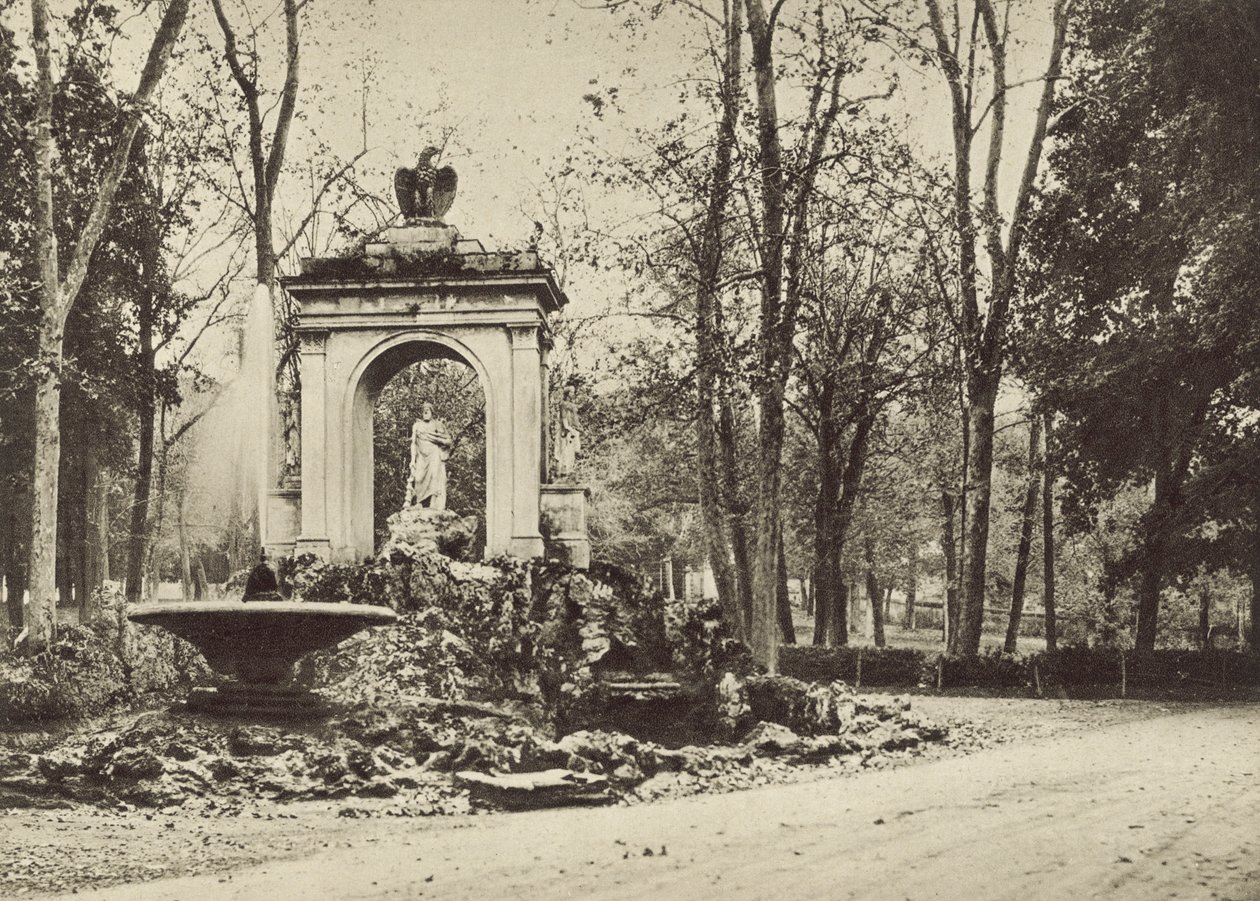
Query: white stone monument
(420,292)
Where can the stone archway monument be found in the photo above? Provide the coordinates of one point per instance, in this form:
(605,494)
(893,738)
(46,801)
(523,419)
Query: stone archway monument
(420,292)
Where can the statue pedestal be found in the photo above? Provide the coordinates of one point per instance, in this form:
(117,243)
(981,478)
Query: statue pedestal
(433,530)
(320,547)
(284,521)
(562,514)
(417,238)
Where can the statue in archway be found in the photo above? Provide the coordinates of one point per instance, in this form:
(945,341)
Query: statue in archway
(430,449)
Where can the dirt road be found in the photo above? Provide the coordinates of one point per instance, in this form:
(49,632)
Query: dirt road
(1164,808)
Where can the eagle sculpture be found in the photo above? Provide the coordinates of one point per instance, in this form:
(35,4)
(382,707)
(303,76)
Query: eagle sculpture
(425,192)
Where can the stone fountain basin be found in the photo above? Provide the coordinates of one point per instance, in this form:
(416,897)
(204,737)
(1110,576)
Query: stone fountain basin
(259,641)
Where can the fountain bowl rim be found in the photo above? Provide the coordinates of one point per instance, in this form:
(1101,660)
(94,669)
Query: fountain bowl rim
(373,614)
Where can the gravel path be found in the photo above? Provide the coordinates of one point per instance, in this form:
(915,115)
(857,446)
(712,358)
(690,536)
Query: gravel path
(1110,799)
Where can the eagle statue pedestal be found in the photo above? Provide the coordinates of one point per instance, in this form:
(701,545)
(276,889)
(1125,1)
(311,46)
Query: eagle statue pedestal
(418,236)
(425,194)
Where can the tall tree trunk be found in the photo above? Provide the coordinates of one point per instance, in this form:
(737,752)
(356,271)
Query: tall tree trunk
(982,399)
(874,596)
(1253,632)
(201,585)
(724,541)
(74,514)
(185,562)
(106,520)
(832,595)
(146,412)
(1048,600)
(91,557)
(949,618)
(151,564)
(774,341)
(41,611)
(58,293)
(185,558)
(912,583)
(1149,584)
(1205,619)
(825,512)
(17,523)
(787,631)
(1154,557)
(781,237)
(732,494)
(1024,551)
(821,592)
(983,326)
(855,458)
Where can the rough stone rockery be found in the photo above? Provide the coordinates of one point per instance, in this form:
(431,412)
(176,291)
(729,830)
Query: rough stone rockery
(499,687)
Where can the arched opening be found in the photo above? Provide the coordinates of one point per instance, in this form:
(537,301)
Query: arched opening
(454,392)
(389,388)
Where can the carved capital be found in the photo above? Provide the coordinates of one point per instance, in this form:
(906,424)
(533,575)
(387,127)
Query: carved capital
(312,342)
(524,337)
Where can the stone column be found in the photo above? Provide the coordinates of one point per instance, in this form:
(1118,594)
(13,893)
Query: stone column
(314,536)
(527,427)
(544,373)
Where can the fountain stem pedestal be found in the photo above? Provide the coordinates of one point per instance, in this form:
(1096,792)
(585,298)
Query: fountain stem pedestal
(246,699)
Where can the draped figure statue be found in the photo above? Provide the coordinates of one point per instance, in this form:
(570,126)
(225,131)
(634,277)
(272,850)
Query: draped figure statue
(430,449)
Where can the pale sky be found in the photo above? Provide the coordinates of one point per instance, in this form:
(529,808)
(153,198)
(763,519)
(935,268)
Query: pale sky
(511,75)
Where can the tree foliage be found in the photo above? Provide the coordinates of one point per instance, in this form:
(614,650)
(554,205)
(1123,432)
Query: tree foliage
(1140,325)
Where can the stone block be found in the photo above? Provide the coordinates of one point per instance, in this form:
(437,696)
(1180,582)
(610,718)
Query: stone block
(284,521)
(562,521)
(438,530)
(426,236)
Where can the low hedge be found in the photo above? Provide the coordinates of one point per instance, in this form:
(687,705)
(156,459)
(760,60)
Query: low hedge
(880,666)
(1207,667)
(1068,666)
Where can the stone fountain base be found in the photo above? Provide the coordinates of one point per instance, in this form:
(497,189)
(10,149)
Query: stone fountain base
(270,701)
(258,642)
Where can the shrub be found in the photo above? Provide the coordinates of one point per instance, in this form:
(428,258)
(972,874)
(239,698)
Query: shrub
(76,675)
(312,579)
(990,669)
(87,670)
(880,666)
(1172,666)
(1076,665)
